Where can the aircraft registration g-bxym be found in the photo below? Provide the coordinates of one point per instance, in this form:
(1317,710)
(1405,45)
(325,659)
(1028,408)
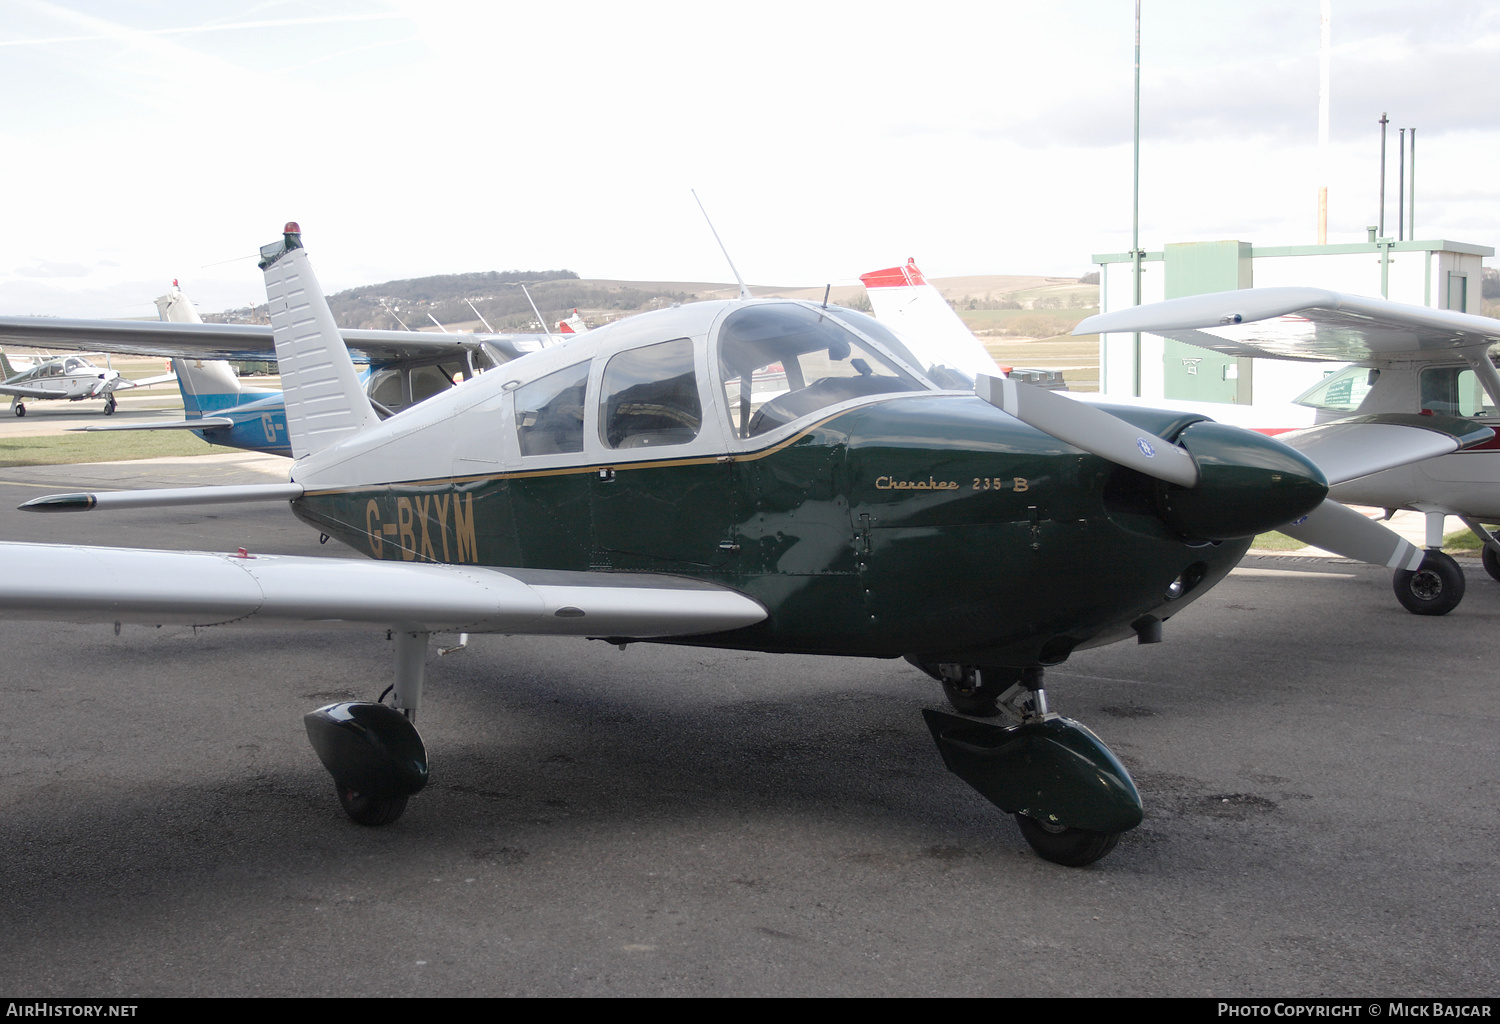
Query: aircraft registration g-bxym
(768,475)
(1408,360)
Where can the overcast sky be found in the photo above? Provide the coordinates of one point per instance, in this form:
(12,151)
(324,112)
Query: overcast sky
(147,140)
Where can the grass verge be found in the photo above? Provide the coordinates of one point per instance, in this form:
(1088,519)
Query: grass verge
(122,446)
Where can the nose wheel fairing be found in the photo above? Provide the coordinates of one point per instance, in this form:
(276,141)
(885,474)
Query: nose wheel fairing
(1054,771)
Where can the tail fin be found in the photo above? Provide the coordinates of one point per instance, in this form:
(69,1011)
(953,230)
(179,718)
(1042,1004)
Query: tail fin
(208,385)
(5,367)
(324,400)
(175,307)
(902,298)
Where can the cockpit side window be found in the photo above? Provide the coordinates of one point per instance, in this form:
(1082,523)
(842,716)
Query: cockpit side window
(650,397)
(1455,391)
(782,362)
(549,412)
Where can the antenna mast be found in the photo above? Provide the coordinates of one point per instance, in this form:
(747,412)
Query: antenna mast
(744,292)
(536,311)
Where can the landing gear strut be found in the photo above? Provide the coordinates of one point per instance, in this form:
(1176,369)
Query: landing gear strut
(1070,795)
(373,752)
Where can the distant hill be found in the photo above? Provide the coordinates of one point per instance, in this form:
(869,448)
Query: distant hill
(497,295)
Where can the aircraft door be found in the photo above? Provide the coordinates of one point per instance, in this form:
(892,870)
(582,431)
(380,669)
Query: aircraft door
(663,501)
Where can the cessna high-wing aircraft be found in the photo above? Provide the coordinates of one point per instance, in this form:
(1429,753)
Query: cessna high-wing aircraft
(406,367)
(768,475)
(72,378)
(1407,360)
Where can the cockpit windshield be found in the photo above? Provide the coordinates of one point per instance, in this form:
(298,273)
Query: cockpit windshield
(1341,392)
(780,362)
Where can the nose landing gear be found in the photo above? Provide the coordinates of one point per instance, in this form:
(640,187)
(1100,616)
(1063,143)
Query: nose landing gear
(1071,797)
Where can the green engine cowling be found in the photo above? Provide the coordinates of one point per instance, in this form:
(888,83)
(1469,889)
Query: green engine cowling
(1248,484)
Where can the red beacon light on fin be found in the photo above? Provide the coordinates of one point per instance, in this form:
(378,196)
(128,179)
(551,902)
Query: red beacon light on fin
(291,228)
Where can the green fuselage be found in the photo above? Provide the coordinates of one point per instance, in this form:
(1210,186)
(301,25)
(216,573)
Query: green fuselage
(931,525)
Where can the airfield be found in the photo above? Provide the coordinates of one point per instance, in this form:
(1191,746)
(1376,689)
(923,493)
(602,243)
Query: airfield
(1320,771)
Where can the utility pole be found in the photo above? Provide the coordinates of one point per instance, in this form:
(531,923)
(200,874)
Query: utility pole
(1401,190)
(1380,233)
(1323,62)
(1135,228)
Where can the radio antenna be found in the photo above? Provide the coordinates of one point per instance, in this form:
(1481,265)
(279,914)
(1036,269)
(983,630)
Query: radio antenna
(744,292)
(481,317)
(538,313)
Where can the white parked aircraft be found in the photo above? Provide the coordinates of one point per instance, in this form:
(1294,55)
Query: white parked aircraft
(1407,359)
(633,485)
(68,378)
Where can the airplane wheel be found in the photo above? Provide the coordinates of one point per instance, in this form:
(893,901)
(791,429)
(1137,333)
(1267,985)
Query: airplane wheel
(109,406)
(1434,588)
(366,810)
(20,409)
(1491,562)
(1070,847)
(977,690)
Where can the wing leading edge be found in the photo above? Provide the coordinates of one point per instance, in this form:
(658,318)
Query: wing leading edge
(74,583)
(1302,323)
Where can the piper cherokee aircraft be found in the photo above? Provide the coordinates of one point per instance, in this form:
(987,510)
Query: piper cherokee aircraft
(768,475)
(406,367)
(1407,360)
(72,378)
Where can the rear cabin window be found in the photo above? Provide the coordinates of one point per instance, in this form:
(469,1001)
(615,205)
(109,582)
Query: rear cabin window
(549,412)
(650,397)
(782,362)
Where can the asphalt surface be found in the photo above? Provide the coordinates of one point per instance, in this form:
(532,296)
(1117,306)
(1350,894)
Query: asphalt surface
(1320,771)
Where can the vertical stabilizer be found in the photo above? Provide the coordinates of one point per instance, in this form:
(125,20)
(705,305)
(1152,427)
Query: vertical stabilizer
(208,385)
(5,367)
(324,400)
(174,307)
(902,298)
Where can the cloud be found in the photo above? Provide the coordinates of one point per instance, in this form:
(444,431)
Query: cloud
(48,268)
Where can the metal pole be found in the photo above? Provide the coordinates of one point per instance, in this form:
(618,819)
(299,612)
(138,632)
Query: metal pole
(1135,227)
(1401,190)
(1411,205)
(1380,232)
(1323,62)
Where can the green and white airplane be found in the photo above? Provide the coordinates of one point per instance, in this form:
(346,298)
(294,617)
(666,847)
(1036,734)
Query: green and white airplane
(766,475)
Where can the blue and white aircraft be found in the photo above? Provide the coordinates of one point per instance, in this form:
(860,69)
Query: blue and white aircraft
(402,367)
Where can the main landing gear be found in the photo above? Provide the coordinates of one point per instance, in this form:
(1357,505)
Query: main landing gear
(373,752)
(18,408)
(1437,585)
(1070,795)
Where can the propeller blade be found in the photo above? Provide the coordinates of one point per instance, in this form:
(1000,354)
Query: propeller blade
(1092,429)
(1340,529)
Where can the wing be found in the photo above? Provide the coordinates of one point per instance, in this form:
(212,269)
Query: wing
(72,583)
(242,342)
(1360,445)
(1302,323)
(21,391)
